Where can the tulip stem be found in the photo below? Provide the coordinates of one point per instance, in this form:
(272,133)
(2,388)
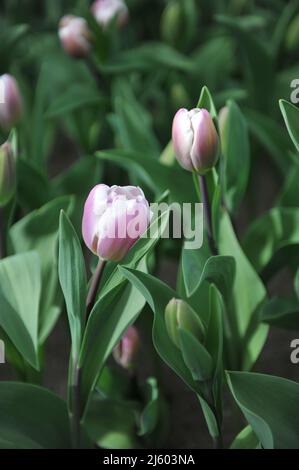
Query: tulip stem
(208,213)
(76,406)
(95,282)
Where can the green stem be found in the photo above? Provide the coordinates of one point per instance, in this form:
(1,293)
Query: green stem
(208,213)
(76,406)
(95,282)
(76,370)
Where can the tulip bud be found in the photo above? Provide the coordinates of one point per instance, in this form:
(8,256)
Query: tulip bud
(172,23)
(127,349)
(106,10)
(292,35)
(75,36)
(195,140)
(10,102)
(114,218)
(179,314)
(7,173)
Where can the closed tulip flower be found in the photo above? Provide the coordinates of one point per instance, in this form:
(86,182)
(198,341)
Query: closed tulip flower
(179,314)
(10,102)
(75,36)
(195,140)
(127,349)
(106,10)
(114,218)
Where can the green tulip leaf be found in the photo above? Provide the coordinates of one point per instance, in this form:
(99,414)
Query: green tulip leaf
(20,291)
(196,357)
(32,418)
(270,405)
(72,276)
(236,156)
(39,231)
(291,115)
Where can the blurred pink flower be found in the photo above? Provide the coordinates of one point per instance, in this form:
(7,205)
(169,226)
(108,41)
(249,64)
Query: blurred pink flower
(10,102)
(75,36)
(106,10)
(127,349)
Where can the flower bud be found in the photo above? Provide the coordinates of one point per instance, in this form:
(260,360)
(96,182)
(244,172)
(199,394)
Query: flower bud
(106,10)
(7,173)
(195,140)
(114,218)
(179,314)
(126,351)
(10,102)
(172,23)
(75,36)
(292,35)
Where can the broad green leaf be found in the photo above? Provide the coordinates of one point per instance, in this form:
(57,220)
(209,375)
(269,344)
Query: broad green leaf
(272,138)
(196,357)
(20,290)
(39,231)
(217,269)
(111,423)
(272,240)
(31,177)
(72,276)
(154,174)
(206,101)
(78,180)
(150,415)
(291,115)
(289,196)
(270,405)
(246,439)
(32,418)
(133,122)
(108,321)
(148,56)
(236,156)
(281,312)
(158,295)
(259,66)
(248,293)
(74,98)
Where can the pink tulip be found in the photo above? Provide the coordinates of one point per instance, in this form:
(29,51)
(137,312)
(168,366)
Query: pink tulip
(114,218)
(127,349)
(195,140)
(75,36)
(10,102)
(106,10)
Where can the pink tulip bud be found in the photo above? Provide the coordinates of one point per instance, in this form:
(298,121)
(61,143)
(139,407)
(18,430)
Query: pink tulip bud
(75,36)
(10,102)
(106,10)
(127,349)
(195,140)
(114,218)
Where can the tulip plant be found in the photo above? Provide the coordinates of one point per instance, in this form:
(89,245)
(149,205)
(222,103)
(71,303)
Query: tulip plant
(110,127)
